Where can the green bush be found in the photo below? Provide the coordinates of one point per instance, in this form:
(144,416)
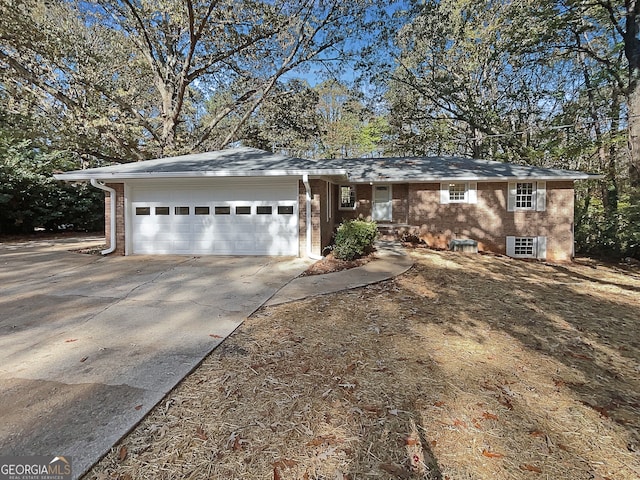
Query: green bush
(354,238)
(30,197)
(613,235)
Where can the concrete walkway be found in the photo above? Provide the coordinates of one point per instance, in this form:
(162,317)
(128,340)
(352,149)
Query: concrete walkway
(391,260)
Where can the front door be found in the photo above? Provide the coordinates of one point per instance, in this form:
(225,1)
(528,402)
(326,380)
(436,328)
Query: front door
(381,203)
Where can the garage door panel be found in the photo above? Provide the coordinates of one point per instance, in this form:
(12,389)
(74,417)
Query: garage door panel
(234,228)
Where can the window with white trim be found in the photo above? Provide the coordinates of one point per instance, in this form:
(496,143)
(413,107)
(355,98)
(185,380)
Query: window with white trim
(458,192)
(527,196)
(347,197)
(524,195)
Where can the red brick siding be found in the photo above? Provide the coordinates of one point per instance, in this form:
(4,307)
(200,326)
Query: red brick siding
(489,222)
(120,238)
(321,230)
(363,204)
(400,203)
(364,194)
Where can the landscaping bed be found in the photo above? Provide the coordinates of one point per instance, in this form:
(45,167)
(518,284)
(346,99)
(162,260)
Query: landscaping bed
(330,264)
(465,367)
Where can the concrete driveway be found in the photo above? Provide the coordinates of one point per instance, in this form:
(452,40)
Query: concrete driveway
(89,344)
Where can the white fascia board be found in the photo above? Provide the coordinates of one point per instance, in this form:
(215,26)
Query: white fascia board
(435,179)
(120,176)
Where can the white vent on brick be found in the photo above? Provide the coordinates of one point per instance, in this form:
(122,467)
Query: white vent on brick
(539,247)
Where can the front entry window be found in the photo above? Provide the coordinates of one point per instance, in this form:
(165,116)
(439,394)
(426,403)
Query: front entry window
(347,198)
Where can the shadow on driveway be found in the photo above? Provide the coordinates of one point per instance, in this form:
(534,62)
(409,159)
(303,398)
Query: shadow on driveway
(89,344)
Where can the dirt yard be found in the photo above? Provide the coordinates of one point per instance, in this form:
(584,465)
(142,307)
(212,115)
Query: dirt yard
(465,367)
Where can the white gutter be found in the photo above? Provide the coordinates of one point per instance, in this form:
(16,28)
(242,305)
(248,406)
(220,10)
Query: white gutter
(125,175)
(305,180)
(469,178)
(112,217)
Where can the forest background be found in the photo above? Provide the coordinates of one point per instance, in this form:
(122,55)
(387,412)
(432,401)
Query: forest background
(534,82)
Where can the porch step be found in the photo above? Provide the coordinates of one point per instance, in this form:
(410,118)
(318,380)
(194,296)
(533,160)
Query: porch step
(389,231)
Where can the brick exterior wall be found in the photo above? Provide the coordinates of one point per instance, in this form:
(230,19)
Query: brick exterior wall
(416,209)
(120,238)
(489,222)
(400,203)
(321,229)
(363,204)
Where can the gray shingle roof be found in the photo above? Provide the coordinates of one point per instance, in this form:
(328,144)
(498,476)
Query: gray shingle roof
(252,162)
(408,169)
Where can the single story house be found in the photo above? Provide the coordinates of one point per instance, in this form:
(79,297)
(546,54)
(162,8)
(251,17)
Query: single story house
(244,201)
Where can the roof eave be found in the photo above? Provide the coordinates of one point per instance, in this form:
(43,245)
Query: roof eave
(436,179)
(121,176)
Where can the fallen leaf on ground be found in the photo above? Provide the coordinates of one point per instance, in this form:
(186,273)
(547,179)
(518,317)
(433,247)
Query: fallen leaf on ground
(459,423)
(372,408)
(201,434)
(411,441)
(489,454)
(284,463)
(489,416)
(122,453)
(237,444)
(316,442)
(579,355)
(601,410)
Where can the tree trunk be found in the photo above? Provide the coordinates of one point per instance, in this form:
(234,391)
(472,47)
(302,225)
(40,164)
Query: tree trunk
(632,52)
(633,104)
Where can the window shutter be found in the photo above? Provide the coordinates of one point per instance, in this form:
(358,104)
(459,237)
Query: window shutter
(444,193)
(541,248)
(511,200)
(472,192)
(541,196)
(511,246)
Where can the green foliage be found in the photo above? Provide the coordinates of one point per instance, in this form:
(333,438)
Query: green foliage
(609,234)
(629,225)
(30,197)
(120,81)
(328,120)
(354,238)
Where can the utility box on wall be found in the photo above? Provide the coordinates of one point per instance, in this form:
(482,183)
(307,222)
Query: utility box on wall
(463,245)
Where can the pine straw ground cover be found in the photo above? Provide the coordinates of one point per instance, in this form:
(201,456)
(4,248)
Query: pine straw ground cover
(465,367)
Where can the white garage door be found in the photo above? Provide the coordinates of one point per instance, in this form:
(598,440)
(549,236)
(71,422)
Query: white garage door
(219,217)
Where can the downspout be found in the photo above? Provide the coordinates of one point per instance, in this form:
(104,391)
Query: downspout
(305,180)
(112,217)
